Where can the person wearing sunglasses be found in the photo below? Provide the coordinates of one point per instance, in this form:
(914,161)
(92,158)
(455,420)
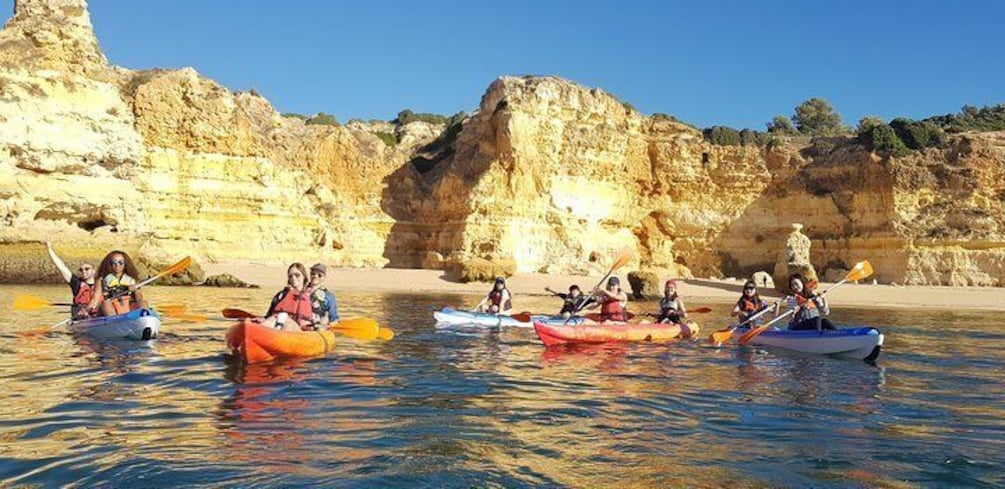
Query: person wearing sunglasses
(291,308)
(750,303)
(322,300)
(671,306)
(81,286)
(117,293)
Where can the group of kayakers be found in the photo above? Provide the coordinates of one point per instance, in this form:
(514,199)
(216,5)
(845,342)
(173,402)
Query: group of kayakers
(808,306)
(305,304)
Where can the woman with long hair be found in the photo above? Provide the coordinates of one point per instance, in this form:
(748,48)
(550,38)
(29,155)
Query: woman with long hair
(809,307)
(291,308)
(116,285)
(750,303)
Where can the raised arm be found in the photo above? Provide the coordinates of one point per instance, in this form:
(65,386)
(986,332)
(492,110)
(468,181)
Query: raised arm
(64,271)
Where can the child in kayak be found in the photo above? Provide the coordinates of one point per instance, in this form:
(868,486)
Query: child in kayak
(116,291)
(612,300)
(809,307)
(573,302)
(291,308)
(750,303)
(322,300)
(671,306)
(81,287)
(498,300)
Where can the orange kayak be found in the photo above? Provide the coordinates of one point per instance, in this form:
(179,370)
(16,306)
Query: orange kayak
(255,343)
(612,332)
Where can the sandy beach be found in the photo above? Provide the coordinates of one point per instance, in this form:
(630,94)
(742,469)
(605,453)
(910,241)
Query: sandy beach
(273,275)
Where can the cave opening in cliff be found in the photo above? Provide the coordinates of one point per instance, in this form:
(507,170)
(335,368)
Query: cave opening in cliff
(93,224)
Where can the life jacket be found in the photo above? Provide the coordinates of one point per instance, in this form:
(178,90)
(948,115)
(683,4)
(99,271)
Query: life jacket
(572,304)
(82,300)
(669,309)
(298,305)
(496,297)
(113,286)
(807,309)
(612,310)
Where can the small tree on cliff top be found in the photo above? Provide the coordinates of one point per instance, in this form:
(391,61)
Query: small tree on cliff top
(816,117)
(781,125)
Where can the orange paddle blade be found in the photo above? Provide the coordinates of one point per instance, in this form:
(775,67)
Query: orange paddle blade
(749,335)
(623,258)
(178,267)
(860,271)
(720,337)
(231,313)
(523,317)
(172,308)
(385,334)
(700,310)
(194,318)
(30,302)
(359,328)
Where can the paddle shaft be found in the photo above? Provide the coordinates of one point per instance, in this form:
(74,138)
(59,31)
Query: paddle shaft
(754,333)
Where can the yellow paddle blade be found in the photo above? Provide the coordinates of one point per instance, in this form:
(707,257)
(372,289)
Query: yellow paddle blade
(194,318)
(385,334)
(624,257)
(860,271)
(178,267)
(720,336)
(30,302)
(172,308)
(358,328)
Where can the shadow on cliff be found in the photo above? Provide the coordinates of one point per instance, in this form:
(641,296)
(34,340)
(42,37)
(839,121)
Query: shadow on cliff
(430,196)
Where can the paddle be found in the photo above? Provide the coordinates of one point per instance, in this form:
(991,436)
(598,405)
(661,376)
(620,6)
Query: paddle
(620,261)
(33,302)
(173,269)
(362,328)
(860,271)
(721,336)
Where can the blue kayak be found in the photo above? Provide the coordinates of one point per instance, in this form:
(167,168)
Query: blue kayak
(858,343)
(453,317)
(140,324)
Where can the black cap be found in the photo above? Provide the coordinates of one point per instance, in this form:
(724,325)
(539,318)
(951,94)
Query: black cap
(614,281)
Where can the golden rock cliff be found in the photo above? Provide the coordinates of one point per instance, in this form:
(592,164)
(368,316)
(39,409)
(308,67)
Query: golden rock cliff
(546,174)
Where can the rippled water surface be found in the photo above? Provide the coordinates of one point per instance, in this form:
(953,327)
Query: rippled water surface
(468,407)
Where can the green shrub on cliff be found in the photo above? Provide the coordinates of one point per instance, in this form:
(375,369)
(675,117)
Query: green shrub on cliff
(722,136)
(781,125)
(324,119)
(918,134)
(389,139)
(294,115)
(970,118)
(816,117)
(406,116)
(882,139)
(659,116)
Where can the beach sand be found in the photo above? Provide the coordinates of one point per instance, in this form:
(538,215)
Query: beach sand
(273,276)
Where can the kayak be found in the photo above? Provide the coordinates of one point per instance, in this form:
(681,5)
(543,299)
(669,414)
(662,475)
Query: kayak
(552,335)
(858,343)
(453,317)
(139,324)
(255,343)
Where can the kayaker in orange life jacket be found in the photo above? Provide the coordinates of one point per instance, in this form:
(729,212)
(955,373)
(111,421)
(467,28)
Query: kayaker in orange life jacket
(498,300)
(671,306)
(82,287)
(291,308)
(612,301)
(810,308)
(750,303)
(116,291)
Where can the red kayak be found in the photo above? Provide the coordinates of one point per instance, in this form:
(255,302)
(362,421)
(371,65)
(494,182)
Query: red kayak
(613,332)
(255,343)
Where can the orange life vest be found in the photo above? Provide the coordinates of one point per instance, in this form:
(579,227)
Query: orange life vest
(612,310)
(84,294)
(496,297)
(747,305)
(297,305)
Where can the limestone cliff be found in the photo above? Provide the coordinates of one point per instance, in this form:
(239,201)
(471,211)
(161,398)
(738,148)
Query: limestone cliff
(546,174)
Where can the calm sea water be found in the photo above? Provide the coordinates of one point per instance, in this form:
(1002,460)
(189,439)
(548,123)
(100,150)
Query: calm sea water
(466,407)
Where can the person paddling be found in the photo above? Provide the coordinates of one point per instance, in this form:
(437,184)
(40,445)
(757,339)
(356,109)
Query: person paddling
(498,300)
(82,287)
(671,306)
(573,302)
(291,308)
(322,300)
(116,291)
(809,307)
(612,301)
(750,303)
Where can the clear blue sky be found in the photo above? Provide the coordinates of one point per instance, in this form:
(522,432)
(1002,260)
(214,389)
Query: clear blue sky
(736,63)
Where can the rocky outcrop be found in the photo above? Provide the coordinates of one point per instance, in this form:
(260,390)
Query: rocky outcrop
(795,260)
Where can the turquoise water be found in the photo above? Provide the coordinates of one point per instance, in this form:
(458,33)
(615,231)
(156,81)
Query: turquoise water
(463,408)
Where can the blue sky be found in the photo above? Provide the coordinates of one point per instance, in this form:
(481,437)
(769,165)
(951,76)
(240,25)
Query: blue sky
(735,63)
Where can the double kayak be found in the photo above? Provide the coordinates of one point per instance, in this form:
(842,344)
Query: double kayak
(554,335)
(254,343)
(139,324)
(453,317)
(857,343)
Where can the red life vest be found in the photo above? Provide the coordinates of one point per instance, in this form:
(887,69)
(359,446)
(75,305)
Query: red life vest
(612,310)
(803,301)
(84,294)
(747,305)
(297,305)
(496,297)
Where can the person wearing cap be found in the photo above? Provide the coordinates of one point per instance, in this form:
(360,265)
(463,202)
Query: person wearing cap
(574,301)
(498,300)
(671,306)
(81,287)
(612,300)
(322,300)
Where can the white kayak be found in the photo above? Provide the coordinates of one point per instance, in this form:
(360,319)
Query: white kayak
(140,324)
(453,317)
(858,343)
